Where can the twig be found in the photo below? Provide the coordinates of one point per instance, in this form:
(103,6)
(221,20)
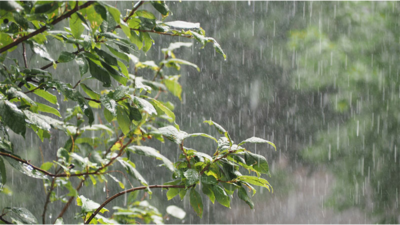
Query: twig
(217,159)
(160,68)
(5,221)
(127,191)
(79,81)
(71,199)
(24,55)
(186,156)
(47,201)
(131,14)
(44,28)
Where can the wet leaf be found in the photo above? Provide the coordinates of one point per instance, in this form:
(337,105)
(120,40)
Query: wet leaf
(66,57)
(148,151)
(196,202)
(256,140)
(21,215)
(221,196)
(12,117)
(207,190)
(88,205)
(192,176)
(243,195)
(176,212)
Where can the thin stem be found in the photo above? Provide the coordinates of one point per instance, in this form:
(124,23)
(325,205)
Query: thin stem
(47,201)
(125,192)
(24,55)
(44,28)
(71,199)
(186,156)
(215,160)
(131,14)
(160,68)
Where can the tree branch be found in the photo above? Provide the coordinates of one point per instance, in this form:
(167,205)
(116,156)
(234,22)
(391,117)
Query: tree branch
(127,191)
(44,28)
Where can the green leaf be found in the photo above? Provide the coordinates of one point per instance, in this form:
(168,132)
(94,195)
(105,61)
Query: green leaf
(148,151)
(59,220)
(21,215)
(12,117)
(192,176)
(42,121)
(72,191)
(2,173)
(256,140)
(147,41)
(243,195)
(123,120)
(207,190)
(258,161)
(163,108)
(114,73)
(46,166)
(92,94)
(176,45)
(5,39)
(130,168)
(173,61)
(256,181)
(88,205)
(121,185)
(47,109)
(174,87)
(172,134)
(135,114)
(99,73)
(208,179)
(196,202)
(44,94)
(182,193)
(220,129)
(83,65)
(42,51)
(97,127)
(101,10)
(176,212)
(63,154)
(117,53)
(183,25)
(107,57)
(221,196)
(109,104)
(24,23)
(172,192)
(115,13)
(14,93)
(145,105)
(45,8)
(201,134)
(161,7)
(10,6)
(66,57)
